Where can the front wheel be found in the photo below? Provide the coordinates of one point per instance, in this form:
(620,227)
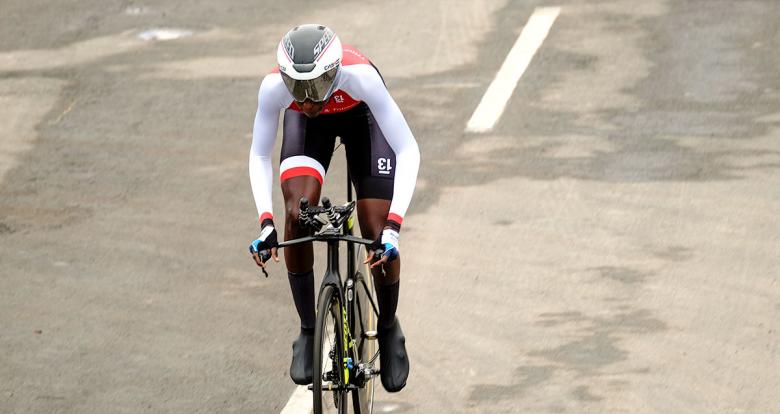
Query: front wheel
(366,314)
(328,372)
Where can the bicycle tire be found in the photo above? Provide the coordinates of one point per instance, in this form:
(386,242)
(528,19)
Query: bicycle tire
(366,316)
(327,337)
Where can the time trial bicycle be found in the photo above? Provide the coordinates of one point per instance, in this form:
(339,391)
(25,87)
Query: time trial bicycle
(345,348)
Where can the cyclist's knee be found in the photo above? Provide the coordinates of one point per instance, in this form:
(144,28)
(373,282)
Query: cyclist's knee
(292,203)
(372,215)
(293,190)
(291,220)
(291,212)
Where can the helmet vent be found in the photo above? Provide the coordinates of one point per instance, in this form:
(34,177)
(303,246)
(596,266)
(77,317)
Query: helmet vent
(304,67)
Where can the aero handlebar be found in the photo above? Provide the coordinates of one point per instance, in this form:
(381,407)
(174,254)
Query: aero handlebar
(309,217)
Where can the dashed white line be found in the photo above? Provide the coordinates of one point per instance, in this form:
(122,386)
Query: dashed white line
(300,401)
(500,90)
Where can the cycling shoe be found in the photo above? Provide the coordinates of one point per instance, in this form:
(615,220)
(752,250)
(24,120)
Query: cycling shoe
(303,354)
(394,363)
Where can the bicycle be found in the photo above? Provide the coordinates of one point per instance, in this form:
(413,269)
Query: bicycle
(345,348)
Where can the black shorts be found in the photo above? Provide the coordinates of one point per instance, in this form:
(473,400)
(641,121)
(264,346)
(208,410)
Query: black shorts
(308,143)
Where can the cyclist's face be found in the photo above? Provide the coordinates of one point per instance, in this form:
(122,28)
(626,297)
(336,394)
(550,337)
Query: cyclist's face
(311,109)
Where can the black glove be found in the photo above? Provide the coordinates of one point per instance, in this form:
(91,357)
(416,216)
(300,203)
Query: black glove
(264,246)
(385,248)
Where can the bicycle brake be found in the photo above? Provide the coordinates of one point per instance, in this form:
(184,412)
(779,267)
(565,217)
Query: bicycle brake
(265,256)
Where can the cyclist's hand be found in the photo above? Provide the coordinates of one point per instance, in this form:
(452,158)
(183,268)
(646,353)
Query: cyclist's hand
(384,249)
(265,243)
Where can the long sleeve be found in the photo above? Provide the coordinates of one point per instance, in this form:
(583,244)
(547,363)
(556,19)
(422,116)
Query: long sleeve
(370,88)
(263,138)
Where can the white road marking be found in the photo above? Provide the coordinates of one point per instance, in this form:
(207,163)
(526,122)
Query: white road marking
(300,402)
(500,90)
(164,34)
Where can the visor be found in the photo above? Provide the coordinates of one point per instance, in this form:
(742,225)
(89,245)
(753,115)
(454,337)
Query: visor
(318,89)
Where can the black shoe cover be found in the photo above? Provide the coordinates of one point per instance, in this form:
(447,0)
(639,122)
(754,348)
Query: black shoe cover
(303,354)
(394,364)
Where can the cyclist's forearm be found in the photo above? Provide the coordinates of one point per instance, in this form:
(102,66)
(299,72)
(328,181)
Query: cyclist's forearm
(263,137)
(408,164)
(398,135)
(407,158)
(261,178)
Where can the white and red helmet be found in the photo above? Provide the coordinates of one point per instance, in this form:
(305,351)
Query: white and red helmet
(309,57)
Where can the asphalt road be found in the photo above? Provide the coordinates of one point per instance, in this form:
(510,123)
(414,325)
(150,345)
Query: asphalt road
(610,247)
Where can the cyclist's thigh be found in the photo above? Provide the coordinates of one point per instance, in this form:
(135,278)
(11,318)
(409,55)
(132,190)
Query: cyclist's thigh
(370,158)
(371,164)
(372,168)
(307,147)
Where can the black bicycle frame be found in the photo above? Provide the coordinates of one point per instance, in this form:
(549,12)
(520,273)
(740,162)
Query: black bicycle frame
(332,273)
(333,277)
(348,231)
(351,268)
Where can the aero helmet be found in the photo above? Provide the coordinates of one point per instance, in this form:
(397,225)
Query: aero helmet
(309,57)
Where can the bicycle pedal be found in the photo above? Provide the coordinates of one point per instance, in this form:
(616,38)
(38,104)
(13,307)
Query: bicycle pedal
(369,335)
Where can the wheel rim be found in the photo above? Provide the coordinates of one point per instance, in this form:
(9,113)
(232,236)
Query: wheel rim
(330,352)
(367,348)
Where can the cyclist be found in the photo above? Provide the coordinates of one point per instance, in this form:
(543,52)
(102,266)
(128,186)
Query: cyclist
(326,90)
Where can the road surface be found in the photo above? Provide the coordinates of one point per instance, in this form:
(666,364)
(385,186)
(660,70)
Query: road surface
(609,246)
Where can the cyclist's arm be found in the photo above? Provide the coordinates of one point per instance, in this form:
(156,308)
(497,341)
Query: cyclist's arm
(269,99)
(369,87)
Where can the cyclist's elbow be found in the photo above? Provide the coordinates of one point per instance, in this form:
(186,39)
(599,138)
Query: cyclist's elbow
(411,153)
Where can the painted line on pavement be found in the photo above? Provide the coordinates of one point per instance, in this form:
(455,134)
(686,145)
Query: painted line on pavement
(500,90)
(300,401)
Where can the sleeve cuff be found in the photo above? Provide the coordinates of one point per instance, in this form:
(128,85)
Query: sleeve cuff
(396,218)
(266,219)
(394,222)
